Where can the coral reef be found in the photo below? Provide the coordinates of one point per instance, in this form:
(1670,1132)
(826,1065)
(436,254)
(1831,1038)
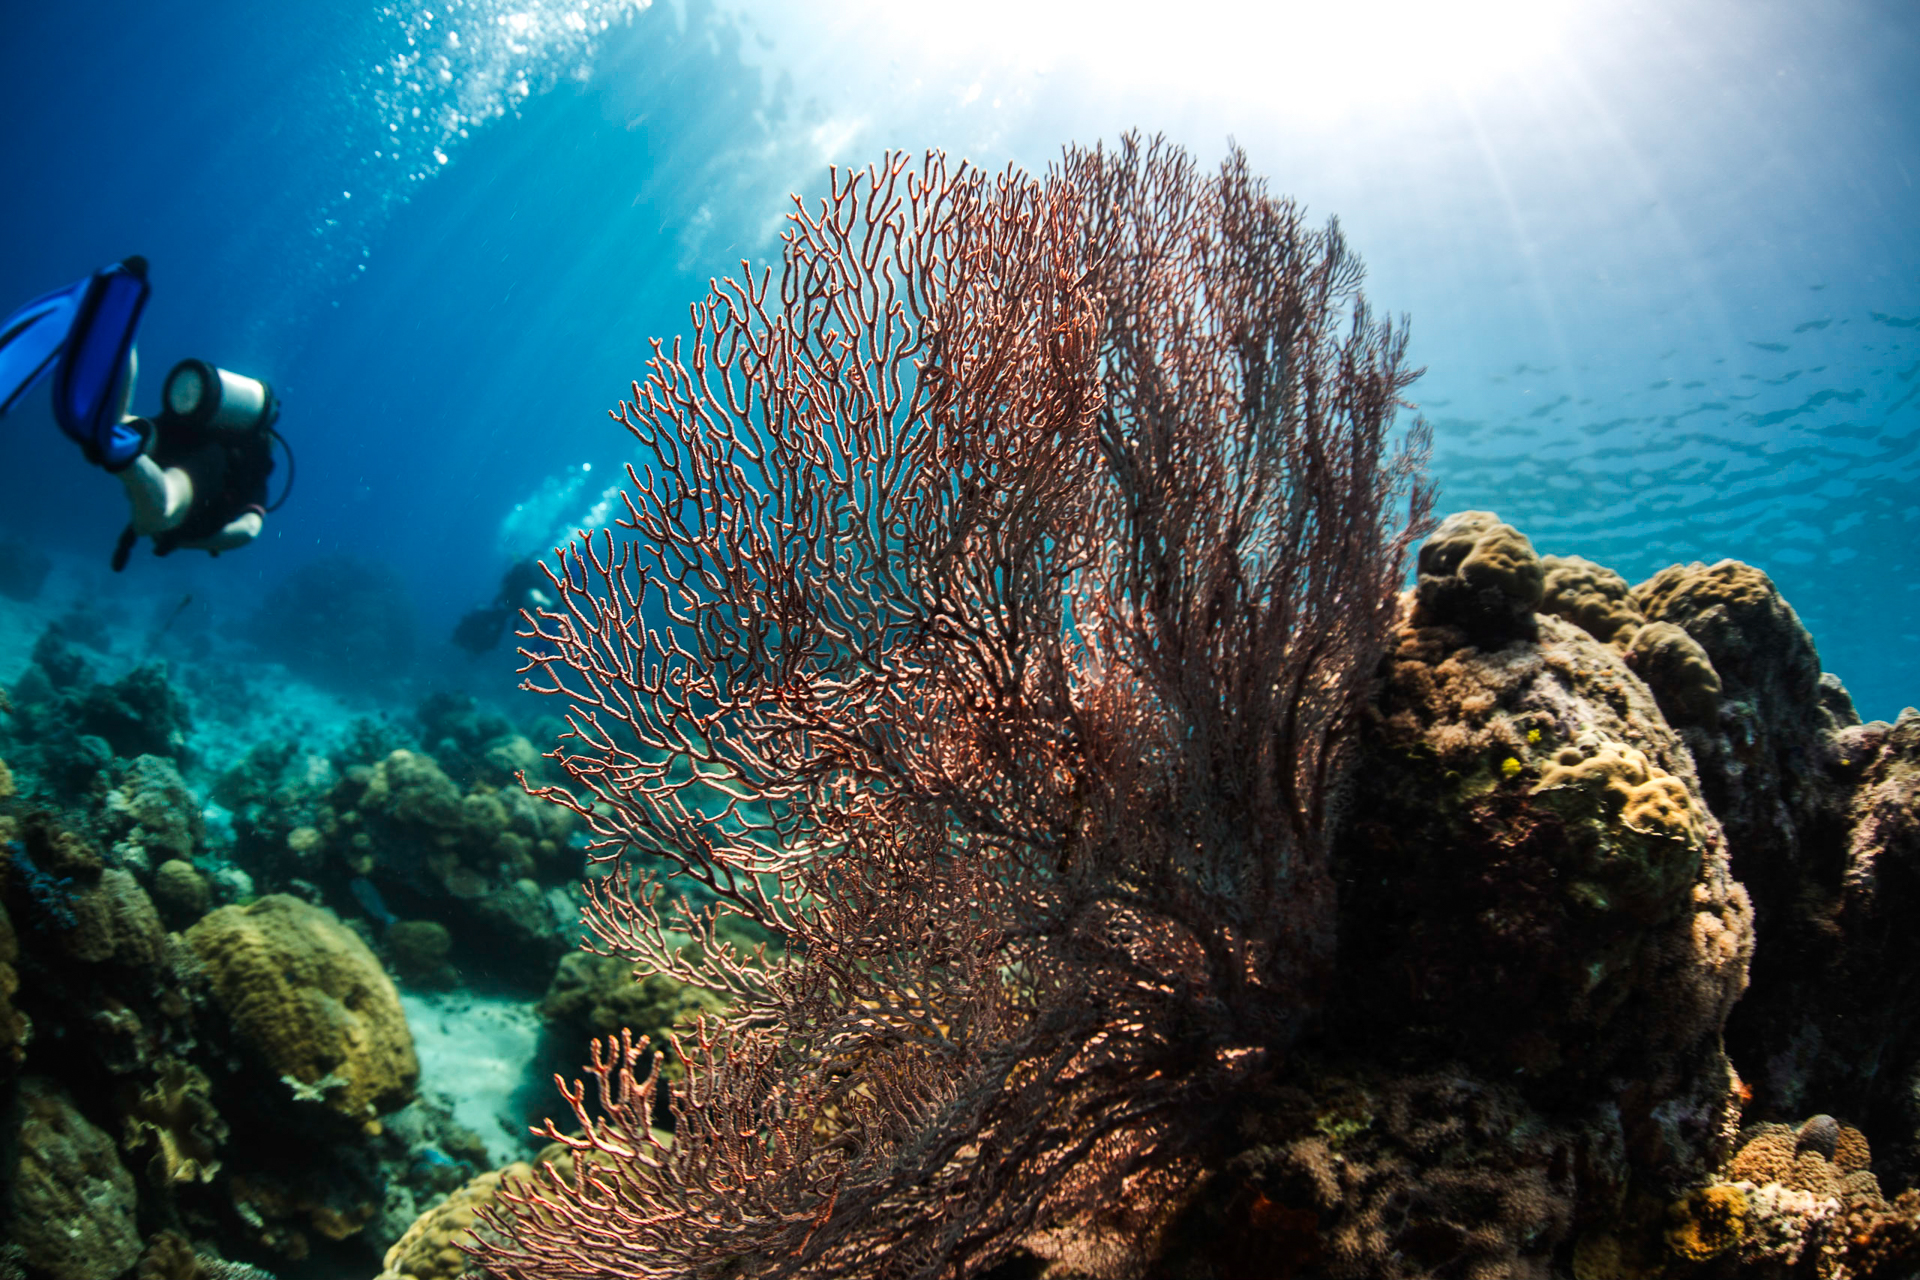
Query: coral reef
(306,994)
(240,1077)
(434,1247)
(1535,885)
(487,863)
(1383,1177)
(1591,597)
(72,727)
(595,995)
(1480,575)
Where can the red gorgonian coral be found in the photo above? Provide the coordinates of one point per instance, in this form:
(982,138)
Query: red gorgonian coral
(987,623)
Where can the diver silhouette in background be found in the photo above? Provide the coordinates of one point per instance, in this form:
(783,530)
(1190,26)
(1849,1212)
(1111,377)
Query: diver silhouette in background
(523,586)
(196,473)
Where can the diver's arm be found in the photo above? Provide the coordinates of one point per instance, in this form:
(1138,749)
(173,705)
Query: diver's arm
(239,531)
(160,497)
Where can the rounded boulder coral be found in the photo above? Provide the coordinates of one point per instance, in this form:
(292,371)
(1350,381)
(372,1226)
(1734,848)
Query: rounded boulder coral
(1591,597)
(1480,575)
(1633,827)
(305,992)
(1678,671)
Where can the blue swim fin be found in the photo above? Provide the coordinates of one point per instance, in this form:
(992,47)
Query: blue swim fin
(32,339)
(89,390)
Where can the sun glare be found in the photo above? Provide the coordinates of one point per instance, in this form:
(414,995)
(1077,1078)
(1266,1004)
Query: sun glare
(1308,56)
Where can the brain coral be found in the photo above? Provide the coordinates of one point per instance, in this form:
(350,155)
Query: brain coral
(309,996)
(1591,597)
(1479,575)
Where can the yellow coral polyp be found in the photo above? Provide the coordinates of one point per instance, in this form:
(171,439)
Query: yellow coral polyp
(1511,767)
(1707,1222)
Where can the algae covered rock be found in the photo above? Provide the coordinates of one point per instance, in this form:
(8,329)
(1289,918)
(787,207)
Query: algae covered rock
(1373,1178)
(151,815)
(72,1206)
(309,996)
(419,950)
(1530,867)
(1533,884)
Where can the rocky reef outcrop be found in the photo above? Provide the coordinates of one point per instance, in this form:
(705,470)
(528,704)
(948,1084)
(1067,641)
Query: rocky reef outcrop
(1626,893)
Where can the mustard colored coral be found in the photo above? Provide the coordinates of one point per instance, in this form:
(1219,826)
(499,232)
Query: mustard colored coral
(1628,817)
(1480,575)
(1678,671)
(308,995)
(1707,1222)
(1591,597)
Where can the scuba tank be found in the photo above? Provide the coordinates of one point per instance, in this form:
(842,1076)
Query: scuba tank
(207,396)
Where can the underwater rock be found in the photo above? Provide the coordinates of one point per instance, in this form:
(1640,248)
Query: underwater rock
(151,816)
(70,727)
(312,1001)
(1834,1016)
(72,1207)
(1761,756)
(139,714)
(1532,881)
(1377,1179)
(1480,575)
(419,950)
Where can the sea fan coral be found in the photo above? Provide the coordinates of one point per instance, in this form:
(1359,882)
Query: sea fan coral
(989,625)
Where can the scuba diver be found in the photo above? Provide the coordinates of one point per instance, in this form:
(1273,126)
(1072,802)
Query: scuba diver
(523,586)
(196,474)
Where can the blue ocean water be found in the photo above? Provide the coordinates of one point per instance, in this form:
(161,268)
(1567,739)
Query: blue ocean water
(1662,261)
